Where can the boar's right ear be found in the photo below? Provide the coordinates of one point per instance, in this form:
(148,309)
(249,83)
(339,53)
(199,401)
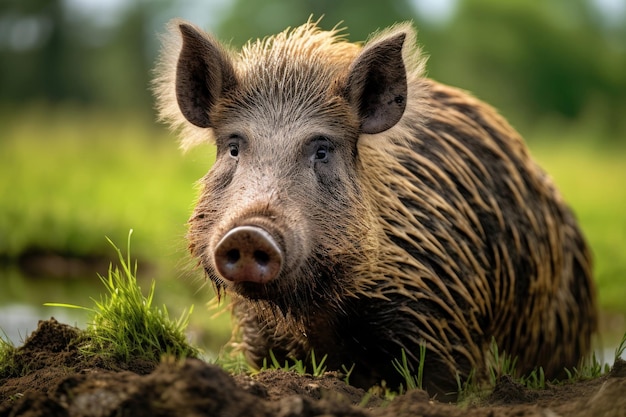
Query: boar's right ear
(377,83)
(203,73)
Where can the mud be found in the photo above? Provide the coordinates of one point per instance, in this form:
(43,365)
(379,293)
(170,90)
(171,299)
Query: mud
(59,381)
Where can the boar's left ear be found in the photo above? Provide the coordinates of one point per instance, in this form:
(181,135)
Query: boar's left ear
(377,84)
(203,73)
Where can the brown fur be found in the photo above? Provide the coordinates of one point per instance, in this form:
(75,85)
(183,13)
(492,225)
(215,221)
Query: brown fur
(440,230)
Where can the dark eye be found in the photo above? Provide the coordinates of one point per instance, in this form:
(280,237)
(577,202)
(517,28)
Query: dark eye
(321,154)
(319,149)
(233,150)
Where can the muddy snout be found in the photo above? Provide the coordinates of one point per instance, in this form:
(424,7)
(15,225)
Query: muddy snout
(248,254)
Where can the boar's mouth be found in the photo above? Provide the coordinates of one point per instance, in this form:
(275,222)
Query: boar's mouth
(256,292)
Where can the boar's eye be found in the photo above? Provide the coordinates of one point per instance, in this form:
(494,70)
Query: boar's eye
(234,144)
(321,154)
(233,150)
(321,149)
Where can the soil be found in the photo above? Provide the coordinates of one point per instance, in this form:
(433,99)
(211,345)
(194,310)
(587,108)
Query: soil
(59,381)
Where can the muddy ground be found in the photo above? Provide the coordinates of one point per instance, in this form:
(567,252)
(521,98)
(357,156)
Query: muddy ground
(59,382)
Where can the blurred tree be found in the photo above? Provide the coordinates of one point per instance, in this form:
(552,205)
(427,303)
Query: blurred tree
(49,54)
(37,48)
(532,58)
(252,19)
(119,70)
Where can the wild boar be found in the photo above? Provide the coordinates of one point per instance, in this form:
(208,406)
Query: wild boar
(358,209)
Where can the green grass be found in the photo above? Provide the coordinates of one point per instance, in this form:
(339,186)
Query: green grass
(411,381)
(234,362)
(298,366)
(69,178)
(125,324)
(502,363)
(621,348)
(7,356)
(472,391)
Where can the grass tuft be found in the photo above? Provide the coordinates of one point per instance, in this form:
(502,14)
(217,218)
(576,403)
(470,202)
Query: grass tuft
(125,325)
(298,366)
(412,381)
(534,380)
(590,368)
(234,363)
(347,372)
(469,390)
(7,357)
(620,349)
(472,390)
(502,364)
(318,368)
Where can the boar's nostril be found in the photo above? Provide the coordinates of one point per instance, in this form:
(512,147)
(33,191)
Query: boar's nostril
(232,256)
(261,257)
(248,254)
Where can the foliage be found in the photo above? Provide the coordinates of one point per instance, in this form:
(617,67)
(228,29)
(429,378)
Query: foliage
(501,364)
(621,348)
(268,17)
(548,59)
(317,368)
(534,60)
(472,389)
(69,177)
(535,380)
(125,325)
(50,53)
(412,381)
(591,368)
(234,363)
(7,357)
(347,372)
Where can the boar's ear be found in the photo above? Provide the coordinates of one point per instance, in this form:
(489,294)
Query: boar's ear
(377,84)
(203,73)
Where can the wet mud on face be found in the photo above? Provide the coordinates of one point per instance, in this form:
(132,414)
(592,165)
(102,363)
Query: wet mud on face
(52,378)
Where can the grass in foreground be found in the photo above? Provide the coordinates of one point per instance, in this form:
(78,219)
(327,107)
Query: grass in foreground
(411,381)
(126,325)
(298,366)
(7,356)
(472,390)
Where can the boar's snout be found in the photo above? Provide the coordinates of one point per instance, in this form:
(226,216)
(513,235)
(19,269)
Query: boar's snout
(248,254)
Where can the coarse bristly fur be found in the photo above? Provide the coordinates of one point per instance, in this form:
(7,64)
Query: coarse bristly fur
(272,56)
(435,229)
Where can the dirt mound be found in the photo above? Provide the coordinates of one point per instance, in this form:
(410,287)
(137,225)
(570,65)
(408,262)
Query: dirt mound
(52,378)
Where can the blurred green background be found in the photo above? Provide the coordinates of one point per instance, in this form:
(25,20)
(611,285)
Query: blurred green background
(81,156)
